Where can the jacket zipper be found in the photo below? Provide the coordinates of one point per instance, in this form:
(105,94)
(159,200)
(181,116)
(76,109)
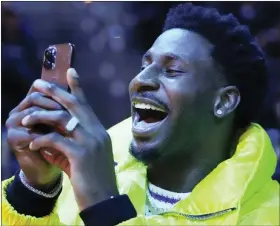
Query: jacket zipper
(202,216)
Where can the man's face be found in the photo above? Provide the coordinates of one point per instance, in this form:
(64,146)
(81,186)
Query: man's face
(172,96)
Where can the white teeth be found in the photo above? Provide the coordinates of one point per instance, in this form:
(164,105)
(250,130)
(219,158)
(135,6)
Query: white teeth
(147,106)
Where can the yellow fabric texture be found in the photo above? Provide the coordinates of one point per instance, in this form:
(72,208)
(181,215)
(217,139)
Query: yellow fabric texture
(241,184)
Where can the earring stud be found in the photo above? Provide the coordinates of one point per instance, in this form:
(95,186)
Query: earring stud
(219,112)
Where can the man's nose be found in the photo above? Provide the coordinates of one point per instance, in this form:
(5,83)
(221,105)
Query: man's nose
(146,80)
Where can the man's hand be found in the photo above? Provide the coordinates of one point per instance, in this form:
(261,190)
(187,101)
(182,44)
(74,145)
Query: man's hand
(39,173)
(86,154)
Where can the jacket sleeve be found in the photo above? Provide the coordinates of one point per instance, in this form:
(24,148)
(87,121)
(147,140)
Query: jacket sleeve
(11,217)
(109,212)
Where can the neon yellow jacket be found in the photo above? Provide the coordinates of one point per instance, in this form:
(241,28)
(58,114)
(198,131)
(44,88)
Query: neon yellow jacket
(239,191)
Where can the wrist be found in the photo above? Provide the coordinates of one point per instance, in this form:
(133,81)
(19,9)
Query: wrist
(46,185)
(92,198)
(26,202)
(51,193)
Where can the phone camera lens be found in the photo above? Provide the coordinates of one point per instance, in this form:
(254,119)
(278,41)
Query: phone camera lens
(49,58)
(47,65)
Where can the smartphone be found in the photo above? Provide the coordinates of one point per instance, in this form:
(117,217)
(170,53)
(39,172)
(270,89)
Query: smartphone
(57,60)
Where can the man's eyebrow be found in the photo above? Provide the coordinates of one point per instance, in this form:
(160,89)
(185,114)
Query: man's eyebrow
(171,56)
(147,55)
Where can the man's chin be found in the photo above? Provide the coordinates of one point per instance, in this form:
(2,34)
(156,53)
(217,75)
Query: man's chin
(145,155)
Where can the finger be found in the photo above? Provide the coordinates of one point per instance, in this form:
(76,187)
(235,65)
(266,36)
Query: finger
(73,82)
(67,100)
(77,91)
(56,158)
(37,99)
(19,139)
(57,119)
(56,141)
(52,118)
(15,119)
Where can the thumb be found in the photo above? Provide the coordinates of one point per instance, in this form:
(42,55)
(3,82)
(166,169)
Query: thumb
(73,82)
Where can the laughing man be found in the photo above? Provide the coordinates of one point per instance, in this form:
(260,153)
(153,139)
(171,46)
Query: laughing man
(193,155)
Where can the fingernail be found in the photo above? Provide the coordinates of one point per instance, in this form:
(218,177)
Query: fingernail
(25,120)
(75,78)
(73,73)
(31,146)
(39,82)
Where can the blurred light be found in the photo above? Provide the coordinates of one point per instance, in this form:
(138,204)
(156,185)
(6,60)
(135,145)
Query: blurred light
(129,20)
(79,5)
(115,31)
(97,44)
(247,11)
(149,13)
(88,25)
(117,44)
(98,9)
(87,2)
(107,70)
(273,35)
(262,39)
(118,88)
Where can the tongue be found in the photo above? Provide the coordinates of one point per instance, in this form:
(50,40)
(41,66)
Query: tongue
(150,120)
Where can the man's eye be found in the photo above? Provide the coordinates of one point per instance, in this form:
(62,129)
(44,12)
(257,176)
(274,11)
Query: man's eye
(172,72)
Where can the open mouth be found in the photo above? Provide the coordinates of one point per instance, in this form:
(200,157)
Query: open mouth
(147,115)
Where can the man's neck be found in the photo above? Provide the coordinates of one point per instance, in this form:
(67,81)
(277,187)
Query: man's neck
(180,179)
(181,173)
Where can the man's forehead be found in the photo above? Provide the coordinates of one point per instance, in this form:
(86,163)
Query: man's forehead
(181,43)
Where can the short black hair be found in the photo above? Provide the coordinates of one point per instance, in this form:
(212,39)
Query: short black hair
(235,49)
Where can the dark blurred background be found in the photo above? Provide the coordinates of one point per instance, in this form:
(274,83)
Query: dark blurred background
(110,38)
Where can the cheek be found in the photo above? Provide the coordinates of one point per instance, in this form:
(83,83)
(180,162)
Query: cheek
(181,98)
(180,90)
(182,109)
(191,107)
(187,100)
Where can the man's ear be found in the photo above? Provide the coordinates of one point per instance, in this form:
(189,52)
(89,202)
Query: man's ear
(226,101)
